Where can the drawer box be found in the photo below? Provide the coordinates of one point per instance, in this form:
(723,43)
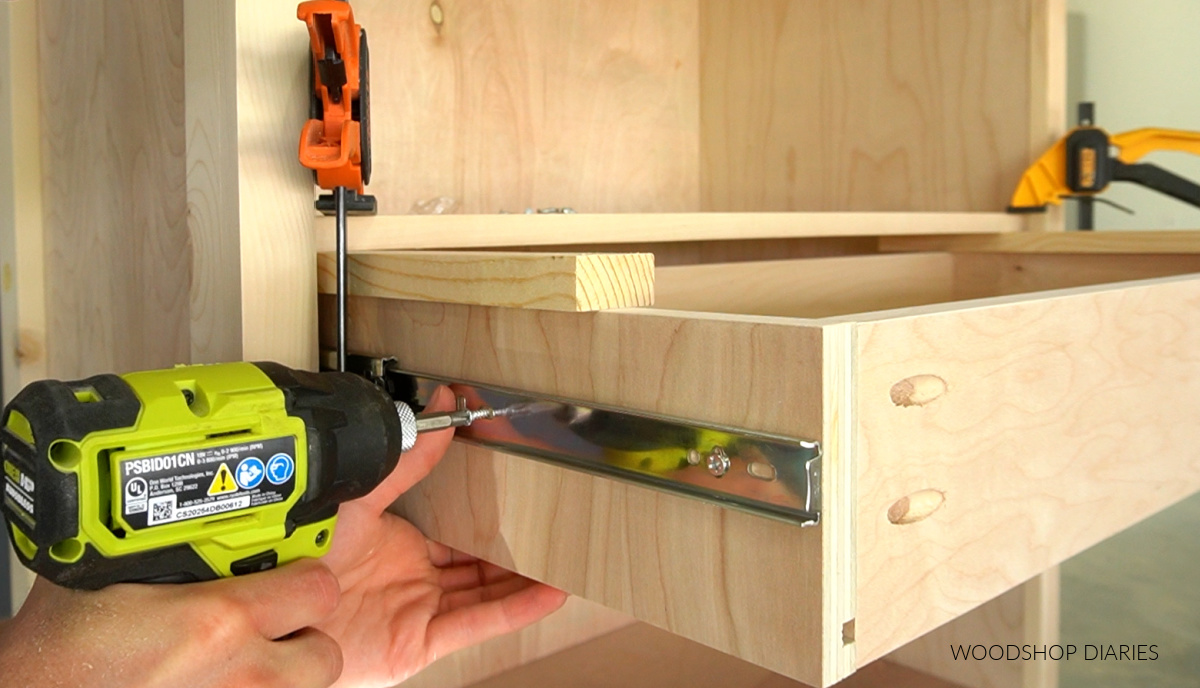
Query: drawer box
(983,416)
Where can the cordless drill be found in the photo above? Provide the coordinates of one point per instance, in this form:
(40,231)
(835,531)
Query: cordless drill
(194,472)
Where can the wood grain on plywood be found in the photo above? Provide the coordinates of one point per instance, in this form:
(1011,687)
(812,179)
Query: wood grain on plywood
(578,621)
(1163,241)
(1066,418)
(1026,616)
(547,281)
(665,559)
(274,193)
(1047,94)
(387,232)
(213,211)
(808,288)
(873,105)
(512,104)
(731,250)
(839,480)
(28,276)
(22,279)
(253,288)
(998,274)
(9,287)
(116,244)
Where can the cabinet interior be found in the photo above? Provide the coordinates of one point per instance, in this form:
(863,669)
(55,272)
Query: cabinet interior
(844,285)
(645,106)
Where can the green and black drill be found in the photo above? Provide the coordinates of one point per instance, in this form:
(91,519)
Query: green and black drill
(194,472)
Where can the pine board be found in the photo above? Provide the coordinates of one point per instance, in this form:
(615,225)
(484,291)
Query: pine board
(572,282)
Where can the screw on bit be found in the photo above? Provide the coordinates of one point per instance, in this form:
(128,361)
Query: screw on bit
(460,417)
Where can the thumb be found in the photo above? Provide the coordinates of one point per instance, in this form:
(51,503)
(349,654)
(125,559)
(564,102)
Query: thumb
(420,460)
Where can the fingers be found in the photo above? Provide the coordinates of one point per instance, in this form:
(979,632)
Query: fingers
(476,623)
(510,585)
(471,575)
(416,464)
(285,599)
(310,659)
(442,556)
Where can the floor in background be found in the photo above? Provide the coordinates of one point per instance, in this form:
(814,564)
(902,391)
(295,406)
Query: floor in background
(1140,587)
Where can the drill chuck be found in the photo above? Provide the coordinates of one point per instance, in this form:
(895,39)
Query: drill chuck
(408,426)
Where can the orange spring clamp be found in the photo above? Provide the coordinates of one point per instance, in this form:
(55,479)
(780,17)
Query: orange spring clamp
(336,140)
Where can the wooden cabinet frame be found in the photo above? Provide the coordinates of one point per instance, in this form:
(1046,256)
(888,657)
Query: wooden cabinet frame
(213,131)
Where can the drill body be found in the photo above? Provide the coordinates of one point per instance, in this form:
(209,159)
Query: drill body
(191,473)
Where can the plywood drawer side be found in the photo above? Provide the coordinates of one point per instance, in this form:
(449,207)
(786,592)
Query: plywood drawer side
(1063,418)
(747,585)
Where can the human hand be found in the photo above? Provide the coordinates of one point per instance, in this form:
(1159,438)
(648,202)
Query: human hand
(253,631)
(406,601)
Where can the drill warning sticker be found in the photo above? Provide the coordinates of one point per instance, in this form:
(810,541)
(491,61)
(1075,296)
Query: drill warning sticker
(157,490)
(222,482)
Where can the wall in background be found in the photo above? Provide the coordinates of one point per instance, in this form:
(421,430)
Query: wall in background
(1137,62)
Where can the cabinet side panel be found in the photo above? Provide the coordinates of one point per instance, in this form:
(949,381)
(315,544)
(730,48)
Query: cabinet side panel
(275,193)
(864,105)
(22,305)
(210,32)
(118,263)
(513,104)
(1047,93)
(998,438)
(740,583)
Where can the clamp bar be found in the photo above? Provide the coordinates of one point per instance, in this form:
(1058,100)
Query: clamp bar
(342,290)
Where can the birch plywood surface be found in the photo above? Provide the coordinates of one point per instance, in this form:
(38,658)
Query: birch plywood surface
(578,621)
(1026,615)
(113,172)
(742,584)
(213,216)
(1164,241)
(278,284)
(504,105)
(998,274)
(1046,425)
(384,232)
(643,359)
(673,562)
(544,281)
(813,288)
(869,105)
(23,304)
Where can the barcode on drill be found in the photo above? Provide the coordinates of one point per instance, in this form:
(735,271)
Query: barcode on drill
(163,511)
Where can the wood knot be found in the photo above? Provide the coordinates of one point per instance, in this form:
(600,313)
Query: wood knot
(29,347)
(437,15)
(918,390)
(917,506)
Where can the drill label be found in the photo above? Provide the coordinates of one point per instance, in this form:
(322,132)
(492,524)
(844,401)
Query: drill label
(18,491)
(157,490)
